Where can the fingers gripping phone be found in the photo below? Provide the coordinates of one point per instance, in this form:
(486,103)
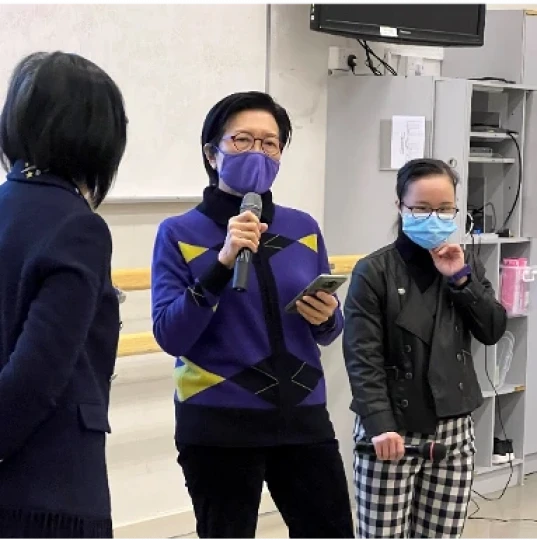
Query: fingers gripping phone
(325,282)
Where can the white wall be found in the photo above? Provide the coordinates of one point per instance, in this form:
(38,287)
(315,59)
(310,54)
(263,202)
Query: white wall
(147,486)
(145,479)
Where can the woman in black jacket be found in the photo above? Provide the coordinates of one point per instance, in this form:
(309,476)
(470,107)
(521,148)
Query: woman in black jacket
(410,315)
(62,137)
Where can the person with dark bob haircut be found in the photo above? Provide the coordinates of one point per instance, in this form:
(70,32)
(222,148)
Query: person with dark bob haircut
(250,399)
(62,137)
(410,315)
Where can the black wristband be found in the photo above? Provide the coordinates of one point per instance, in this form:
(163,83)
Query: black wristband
(465,271)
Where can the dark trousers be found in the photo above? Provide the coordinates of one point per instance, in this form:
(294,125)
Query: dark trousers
(307,483)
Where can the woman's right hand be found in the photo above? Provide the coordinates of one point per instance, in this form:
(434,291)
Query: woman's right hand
(389,446)
(243,231)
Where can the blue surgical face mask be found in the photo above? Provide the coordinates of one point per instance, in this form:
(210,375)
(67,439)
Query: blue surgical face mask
(428,233)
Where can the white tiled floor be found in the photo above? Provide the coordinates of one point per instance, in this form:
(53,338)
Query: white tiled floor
(517,503)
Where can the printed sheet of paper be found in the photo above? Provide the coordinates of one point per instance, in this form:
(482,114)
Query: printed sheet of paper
(408,139)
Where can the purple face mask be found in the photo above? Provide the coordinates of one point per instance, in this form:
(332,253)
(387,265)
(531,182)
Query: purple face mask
(249,172)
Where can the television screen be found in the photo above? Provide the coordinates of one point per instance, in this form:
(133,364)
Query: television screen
(453,25)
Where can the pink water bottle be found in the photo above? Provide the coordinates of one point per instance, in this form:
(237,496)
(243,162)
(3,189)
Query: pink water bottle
(513,296)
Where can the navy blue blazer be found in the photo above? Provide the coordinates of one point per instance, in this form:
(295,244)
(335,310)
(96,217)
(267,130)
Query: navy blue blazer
(59,328)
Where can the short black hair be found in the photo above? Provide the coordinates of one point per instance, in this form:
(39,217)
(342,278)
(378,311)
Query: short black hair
(218,117)
(65,114)
(417,169)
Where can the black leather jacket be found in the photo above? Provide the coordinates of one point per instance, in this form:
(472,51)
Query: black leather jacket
(407,368)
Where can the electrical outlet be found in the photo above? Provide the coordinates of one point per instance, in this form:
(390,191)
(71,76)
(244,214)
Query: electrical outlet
(414,66)
(338,58)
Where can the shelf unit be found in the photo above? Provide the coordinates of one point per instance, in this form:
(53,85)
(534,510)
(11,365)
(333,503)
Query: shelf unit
(360,194)
(491,160)
(489,136)
(488,190)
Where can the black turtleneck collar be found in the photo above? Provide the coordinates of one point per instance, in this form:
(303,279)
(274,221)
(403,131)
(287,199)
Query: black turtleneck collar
(221,206)
(418,261)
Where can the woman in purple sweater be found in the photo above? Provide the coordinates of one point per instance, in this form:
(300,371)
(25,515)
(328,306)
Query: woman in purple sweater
(250,395)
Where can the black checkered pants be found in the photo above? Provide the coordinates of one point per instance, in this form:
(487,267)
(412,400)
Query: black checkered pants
(414,498)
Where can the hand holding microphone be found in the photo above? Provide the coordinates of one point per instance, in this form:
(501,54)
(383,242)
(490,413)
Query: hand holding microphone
(244,232)
(391,447)
(243,235)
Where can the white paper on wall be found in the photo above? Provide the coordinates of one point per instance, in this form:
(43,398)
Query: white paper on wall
(408,139)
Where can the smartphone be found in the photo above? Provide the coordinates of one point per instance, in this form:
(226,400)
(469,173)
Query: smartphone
(325,282)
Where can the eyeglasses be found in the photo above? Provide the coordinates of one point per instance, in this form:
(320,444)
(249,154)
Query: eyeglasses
(244,142)
(446,213)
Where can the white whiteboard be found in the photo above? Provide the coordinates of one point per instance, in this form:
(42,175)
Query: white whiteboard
(172,63)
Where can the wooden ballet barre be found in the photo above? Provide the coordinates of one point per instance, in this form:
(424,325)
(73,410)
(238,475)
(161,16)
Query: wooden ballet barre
(137,344)
(132,279)
(139,279)
(343,264)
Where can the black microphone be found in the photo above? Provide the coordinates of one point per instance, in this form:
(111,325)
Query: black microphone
(254,203)
(432,451)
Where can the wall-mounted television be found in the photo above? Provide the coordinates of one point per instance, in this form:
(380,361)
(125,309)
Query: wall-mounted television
(440,25)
